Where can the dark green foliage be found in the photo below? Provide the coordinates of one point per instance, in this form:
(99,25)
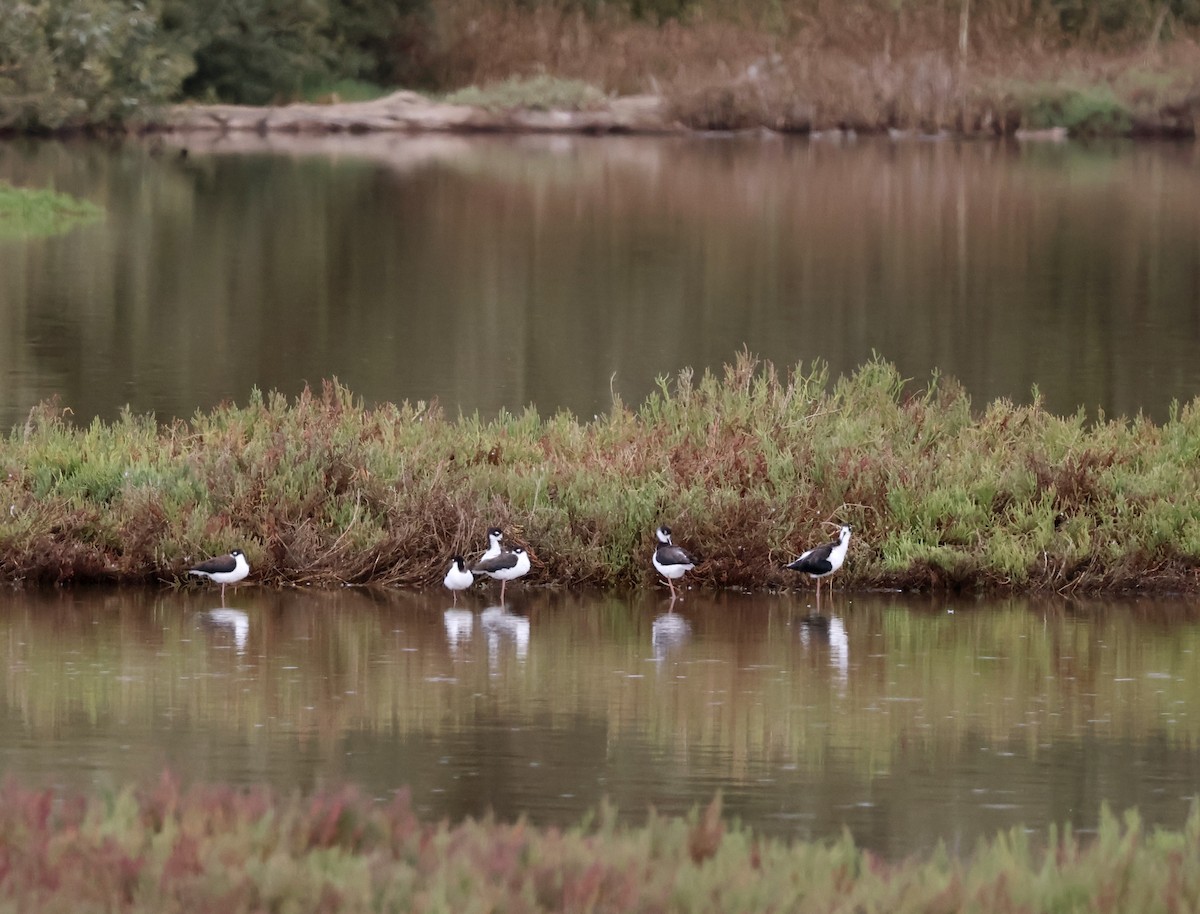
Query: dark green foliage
(660,10)
(252,51)
(381,41)
(267,51)
(1090,18)
(1094,110)
(656,11)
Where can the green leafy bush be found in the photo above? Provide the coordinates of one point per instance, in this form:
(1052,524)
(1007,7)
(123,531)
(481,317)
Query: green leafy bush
(540,93)
(1090,110)
(76,63)
(267,51)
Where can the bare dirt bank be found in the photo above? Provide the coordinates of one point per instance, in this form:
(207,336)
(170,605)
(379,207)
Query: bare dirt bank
(413,113)
(410,112)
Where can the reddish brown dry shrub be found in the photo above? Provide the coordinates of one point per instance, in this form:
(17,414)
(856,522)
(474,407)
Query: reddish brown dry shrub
(704,837)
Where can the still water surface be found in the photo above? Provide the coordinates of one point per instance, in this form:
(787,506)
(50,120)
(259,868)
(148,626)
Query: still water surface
(908,720)
(497,272)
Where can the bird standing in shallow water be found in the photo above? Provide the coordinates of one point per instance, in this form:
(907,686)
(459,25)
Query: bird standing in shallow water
(507,566)
(224,569)
(671,561)
(458,577)
(822,561)
(495,544)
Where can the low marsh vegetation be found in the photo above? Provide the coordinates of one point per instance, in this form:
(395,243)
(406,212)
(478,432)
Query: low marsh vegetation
(537,93)
(217,849)
(33,212)
(749,467)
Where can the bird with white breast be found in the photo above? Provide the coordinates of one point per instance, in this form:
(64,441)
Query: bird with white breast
(224,569)
(509,565)
(459,577)
(671,561)
(822,561)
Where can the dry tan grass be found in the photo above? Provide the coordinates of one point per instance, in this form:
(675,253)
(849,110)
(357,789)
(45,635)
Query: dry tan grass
(820,64)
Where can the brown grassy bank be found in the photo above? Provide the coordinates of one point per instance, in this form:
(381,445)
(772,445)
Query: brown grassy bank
(988,67)
(749,468)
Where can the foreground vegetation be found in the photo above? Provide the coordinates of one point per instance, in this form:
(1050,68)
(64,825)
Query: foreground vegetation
(1109,66)
(210,849)
(27,213)
(749,468)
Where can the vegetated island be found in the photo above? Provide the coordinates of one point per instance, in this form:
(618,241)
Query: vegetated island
(36,212)
(207,848)
(748,468)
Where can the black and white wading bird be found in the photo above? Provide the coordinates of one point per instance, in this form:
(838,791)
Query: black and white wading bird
(495,544)
(822,561)
(458,577)
(224,569)
(509,565)
(671,561)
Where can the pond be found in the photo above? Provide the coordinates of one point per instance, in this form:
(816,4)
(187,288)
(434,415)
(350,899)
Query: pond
(497,272)
(909,720)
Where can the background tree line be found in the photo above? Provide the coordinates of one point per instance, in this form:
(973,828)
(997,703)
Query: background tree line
(77,63)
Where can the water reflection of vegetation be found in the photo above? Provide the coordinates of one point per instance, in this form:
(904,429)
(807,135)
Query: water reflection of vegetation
(628,256)
(909,725)
(746,683)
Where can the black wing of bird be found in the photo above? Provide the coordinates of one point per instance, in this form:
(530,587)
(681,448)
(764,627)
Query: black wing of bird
(222,563)
(496,563)
(673,555)
(815,561)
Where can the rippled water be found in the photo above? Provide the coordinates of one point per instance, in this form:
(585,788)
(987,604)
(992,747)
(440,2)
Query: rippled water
(908,720)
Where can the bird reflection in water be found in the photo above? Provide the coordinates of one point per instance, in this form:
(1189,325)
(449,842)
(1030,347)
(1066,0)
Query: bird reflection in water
(460,626)
(232,621)
(501,626)
(829,632)
(668,633)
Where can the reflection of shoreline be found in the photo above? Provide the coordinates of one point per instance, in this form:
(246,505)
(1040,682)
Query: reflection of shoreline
(406,153)
(343,683)
(652,204)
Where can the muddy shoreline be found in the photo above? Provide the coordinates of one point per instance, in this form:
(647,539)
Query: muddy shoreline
(407,112)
